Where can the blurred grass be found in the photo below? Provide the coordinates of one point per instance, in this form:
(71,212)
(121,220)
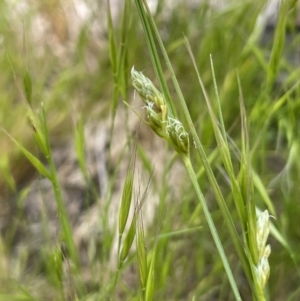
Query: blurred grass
(90,77)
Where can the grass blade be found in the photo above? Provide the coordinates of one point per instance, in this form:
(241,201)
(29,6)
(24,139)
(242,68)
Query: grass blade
(33,160)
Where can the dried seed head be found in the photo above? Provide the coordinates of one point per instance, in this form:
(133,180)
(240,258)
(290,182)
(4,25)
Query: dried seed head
(178,136)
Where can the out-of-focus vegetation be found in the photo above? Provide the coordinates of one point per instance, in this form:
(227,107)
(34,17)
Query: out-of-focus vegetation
(79,69)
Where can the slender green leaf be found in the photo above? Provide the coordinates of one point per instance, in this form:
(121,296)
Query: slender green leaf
(28,87)
(126,196)
(33,160)
(278,44)
(150,278)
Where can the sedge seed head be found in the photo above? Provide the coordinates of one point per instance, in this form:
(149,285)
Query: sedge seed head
(155,103)
(146,89)
(155,121)
(178,136)
(157,114)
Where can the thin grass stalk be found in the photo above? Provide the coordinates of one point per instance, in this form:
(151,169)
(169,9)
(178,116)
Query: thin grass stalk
(271,112)
(62,213)
(123,219)
(113,61)
(149,292)
(141,254)
(80,148)
(221,138)
(127,241)
(61,209)
(218,101)
(123,254)
(242,200)
(211,225)
(223,145)
(80,153)
(126,201)
(31,158)
(279,38)
(154,57)
(123,69)
(119,62)
(247,179)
